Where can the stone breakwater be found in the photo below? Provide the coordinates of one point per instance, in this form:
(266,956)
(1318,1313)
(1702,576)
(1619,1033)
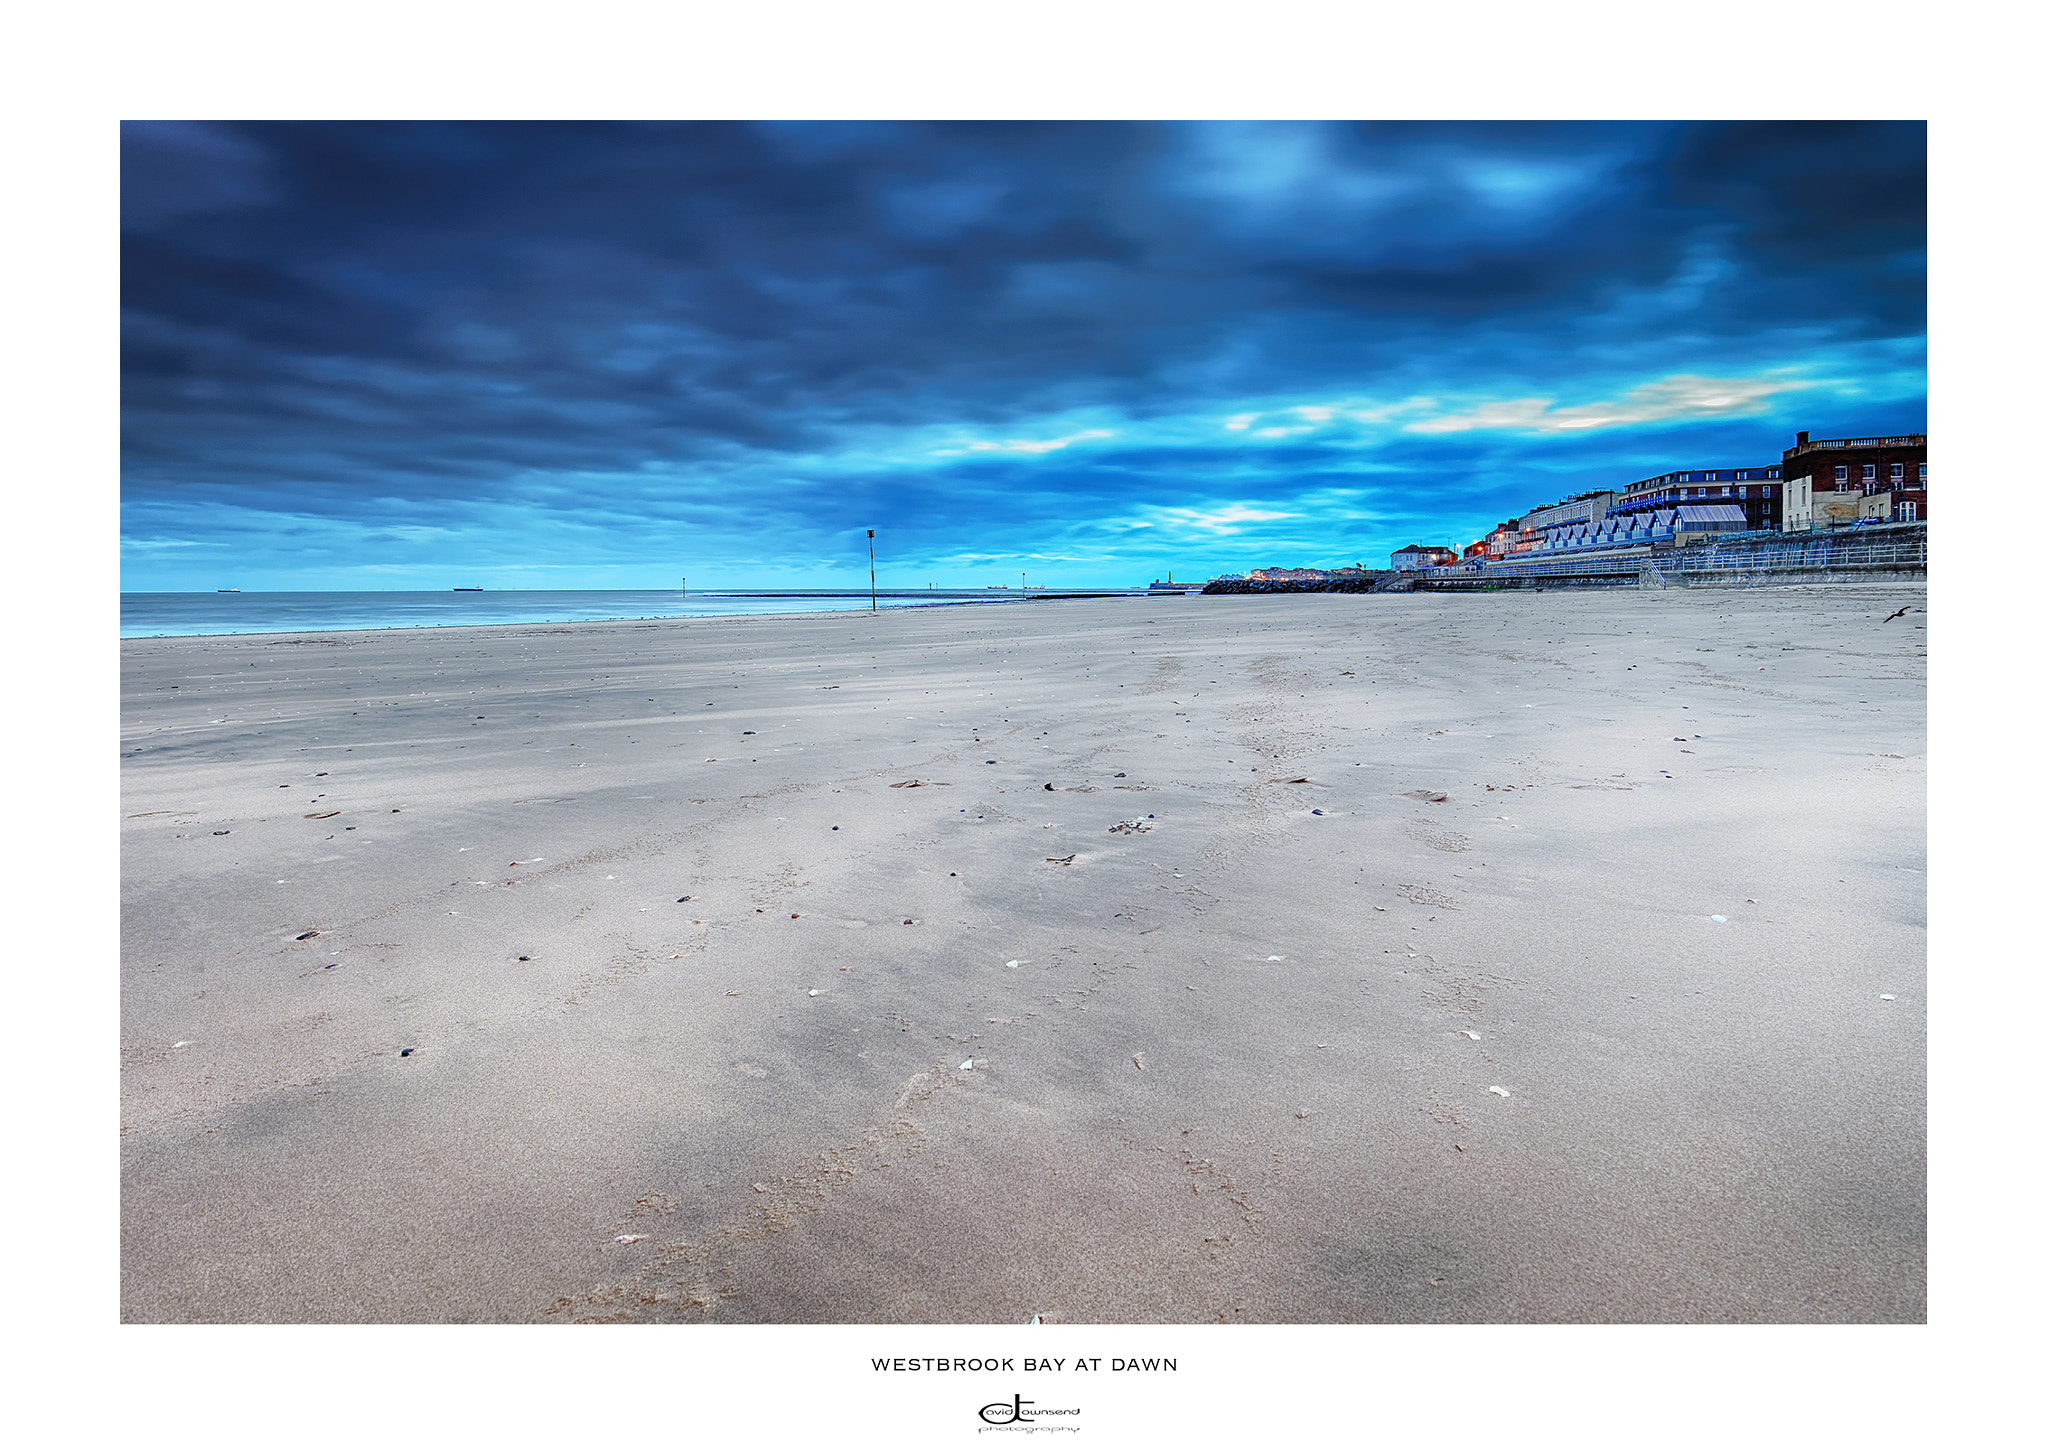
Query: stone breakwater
(1372,582)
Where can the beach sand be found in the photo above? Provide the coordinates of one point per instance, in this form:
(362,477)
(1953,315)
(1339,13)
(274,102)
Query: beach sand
(1629,1026)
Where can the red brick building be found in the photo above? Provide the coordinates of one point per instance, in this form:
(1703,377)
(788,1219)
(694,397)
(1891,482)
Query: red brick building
(1886,475)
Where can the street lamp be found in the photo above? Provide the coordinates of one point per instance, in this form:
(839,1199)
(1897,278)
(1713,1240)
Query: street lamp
(871,569)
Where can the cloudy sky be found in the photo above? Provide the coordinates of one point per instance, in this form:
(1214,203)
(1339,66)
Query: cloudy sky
(369,355)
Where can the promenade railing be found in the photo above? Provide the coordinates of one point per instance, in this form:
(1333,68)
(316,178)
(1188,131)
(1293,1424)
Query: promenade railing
(1902,546)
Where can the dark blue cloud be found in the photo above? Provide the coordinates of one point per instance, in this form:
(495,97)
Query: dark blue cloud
(362,351)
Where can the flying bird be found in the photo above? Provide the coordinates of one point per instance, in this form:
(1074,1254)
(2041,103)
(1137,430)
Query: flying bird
(1900,613)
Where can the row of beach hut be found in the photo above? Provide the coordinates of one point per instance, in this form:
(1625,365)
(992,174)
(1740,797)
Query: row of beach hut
(1665,524)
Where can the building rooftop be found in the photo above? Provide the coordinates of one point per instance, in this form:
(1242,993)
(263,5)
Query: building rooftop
(1911,439)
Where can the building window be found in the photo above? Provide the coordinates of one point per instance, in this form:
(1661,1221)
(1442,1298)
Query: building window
(1909,511)
(1841,474)
(1898,471)
(1742,491)
(1870,471)
(1923,471)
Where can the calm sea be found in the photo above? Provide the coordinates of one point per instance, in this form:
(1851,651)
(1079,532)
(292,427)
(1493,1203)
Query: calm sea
(197,614)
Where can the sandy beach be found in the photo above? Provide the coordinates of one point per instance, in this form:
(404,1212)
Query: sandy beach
(1547,957)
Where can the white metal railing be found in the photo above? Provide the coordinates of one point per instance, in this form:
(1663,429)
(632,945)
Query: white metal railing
(1915,439)
(1811,549)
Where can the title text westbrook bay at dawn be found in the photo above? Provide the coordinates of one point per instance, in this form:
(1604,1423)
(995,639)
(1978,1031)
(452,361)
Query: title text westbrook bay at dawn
(999,1366)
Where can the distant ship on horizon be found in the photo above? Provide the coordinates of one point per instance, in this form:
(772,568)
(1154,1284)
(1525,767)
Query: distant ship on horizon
(469,589)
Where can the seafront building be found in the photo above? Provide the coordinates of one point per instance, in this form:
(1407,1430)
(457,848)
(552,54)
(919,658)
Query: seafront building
(1584,507)
(1754,491)
(1815,486)
(1417,557)
(1855,481)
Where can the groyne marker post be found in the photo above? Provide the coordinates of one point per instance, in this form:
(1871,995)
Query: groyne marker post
(871,569)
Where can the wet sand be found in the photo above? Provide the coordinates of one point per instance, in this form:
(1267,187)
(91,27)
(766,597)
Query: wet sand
(1300,1044)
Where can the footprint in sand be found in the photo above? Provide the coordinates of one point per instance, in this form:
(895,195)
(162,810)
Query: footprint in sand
(1443,840)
